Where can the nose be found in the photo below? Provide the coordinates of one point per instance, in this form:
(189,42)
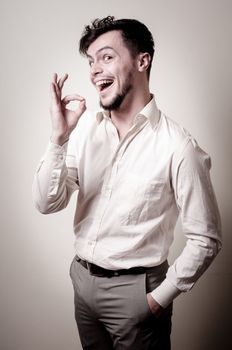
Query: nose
(95,68)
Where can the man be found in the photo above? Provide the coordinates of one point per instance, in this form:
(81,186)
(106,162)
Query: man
(135,170)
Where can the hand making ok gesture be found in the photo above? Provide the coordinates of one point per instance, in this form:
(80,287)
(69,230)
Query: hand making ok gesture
(63,119)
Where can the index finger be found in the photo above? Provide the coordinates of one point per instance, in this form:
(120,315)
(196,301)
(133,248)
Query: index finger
(73,97)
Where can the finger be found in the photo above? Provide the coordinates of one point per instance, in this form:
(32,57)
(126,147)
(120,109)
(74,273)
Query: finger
(62,80)
(54,78)
(70,98)
(54,81)
(54,93)
(53,90)
(58,92)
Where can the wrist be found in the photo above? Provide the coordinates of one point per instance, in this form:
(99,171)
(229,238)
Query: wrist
(59,139)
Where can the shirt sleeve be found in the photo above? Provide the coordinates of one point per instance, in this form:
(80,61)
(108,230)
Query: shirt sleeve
(200,220)
(56,178)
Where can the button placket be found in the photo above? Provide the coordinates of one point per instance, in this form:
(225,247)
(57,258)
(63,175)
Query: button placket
(110,178)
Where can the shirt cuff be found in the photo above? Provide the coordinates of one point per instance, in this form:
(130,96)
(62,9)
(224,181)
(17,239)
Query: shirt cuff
(165,293)
(57,149)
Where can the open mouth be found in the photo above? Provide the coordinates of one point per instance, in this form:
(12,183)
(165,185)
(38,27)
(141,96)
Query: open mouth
(102,85)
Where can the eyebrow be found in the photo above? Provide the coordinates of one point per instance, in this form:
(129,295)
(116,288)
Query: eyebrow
(101,49)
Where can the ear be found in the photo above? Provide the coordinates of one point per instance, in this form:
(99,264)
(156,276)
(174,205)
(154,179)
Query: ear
(144,60)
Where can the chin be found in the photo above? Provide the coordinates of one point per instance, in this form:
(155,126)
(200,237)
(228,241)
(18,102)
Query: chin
(113,104)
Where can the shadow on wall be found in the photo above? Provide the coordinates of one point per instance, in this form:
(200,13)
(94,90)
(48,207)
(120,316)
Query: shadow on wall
(206,311)
(218,320)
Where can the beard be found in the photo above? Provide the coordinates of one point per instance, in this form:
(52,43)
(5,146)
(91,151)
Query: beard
(119,98)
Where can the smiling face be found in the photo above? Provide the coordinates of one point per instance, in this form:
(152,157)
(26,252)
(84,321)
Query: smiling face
(112,69)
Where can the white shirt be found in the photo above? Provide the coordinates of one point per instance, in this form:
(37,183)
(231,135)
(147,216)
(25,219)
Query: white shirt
(130,193)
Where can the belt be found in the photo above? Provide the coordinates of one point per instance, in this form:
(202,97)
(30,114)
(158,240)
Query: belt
(99,271)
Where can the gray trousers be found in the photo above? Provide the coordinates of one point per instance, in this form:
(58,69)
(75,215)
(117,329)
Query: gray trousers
(113,312)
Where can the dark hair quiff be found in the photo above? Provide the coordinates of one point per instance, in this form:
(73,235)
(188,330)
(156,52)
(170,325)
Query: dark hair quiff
(135,34)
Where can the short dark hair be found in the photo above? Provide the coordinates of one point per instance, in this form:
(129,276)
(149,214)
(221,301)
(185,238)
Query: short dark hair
(135,34)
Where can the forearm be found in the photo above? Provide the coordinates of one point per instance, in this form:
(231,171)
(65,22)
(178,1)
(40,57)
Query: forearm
(195,258)
(53,182)
(200,219)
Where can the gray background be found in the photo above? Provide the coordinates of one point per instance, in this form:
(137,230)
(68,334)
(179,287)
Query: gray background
(191,79)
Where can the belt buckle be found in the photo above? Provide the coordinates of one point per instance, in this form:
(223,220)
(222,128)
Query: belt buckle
(97,271)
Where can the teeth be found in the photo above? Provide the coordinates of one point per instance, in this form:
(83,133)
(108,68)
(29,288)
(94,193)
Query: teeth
(103,82)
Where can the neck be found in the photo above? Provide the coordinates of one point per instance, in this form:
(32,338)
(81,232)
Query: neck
(123,117)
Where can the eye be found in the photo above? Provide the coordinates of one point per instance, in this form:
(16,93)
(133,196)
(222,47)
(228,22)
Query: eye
(107,58)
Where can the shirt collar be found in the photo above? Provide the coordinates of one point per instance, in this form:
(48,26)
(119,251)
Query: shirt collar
(150,112)
(102,114)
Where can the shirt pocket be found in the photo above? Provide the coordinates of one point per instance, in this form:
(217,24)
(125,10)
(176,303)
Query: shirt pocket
(140,198)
